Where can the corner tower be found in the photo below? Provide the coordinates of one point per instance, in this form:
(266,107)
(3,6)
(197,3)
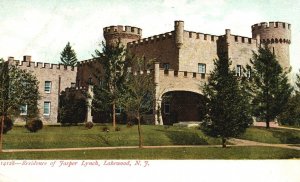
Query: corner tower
(179,31)
(124,33)
(277,35)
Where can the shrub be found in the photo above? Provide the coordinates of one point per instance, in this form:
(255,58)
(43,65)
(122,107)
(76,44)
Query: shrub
(105,129)
(73,108)
(118,129)
(89,125)
(129,124)
(34,125)
(8,124)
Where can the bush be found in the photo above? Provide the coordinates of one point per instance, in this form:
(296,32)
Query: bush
(34,125)
(105,129)
(72,109)
(8,124)
(118,129)
(130,124)
(89,125)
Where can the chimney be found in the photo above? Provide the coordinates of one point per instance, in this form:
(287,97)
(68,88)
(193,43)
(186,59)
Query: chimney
(27,58)
(11,59)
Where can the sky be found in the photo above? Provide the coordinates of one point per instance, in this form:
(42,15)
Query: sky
(42,28)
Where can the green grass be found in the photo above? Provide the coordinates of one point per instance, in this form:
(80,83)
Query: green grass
(163,153)
(272,135)
(79,136)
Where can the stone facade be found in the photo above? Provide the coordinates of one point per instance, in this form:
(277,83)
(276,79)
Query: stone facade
(182,59)
(59,77)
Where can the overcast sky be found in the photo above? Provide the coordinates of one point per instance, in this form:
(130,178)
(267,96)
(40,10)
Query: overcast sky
(42,28)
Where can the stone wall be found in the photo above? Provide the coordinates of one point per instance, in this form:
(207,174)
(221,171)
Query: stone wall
(61,77)
(240,50)
(197,48)
(162,48)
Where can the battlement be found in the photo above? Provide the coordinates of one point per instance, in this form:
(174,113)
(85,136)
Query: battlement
(242,39)
(272,32)
(122,29)
(264,25)
(202,36)
(68,89)
(183,74)
(87,61)
(152,39)
(141,72)
(41,65)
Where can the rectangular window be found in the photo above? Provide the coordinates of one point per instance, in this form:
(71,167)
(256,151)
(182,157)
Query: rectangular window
(167,108)
(47,86)
(238,70)
(90,81)
(166,66)
(118,111)
(47,106)
(73,85)
(23,110)
(249,73)
(201,68)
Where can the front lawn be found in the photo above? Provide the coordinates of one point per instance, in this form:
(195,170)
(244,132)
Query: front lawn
(79,136)
(272,135)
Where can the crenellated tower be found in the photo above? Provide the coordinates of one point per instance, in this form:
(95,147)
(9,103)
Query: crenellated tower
(277,35)
(125,33)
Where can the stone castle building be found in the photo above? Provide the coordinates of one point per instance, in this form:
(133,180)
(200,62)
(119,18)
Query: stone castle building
(183,61)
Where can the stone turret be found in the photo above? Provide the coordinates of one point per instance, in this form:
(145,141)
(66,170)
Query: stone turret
(179,30)
(277,35)
(125,33)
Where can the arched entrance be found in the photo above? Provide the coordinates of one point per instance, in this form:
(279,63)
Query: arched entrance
(182,106)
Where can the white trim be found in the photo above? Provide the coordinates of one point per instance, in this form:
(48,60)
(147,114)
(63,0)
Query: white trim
(201,68)
(47,114)
(50,85)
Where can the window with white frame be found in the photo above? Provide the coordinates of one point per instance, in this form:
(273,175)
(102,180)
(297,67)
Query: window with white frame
(202,68)
(47,108)
(23,110)
(118,111)
(248,72)
(47,86)
(238,70)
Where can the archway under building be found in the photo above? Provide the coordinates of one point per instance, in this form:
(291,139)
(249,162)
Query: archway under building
(182,106)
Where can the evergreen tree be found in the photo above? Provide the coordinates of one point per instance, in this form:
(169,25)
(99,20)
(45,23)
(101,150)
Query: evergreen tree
(108,94)
(228,110)
(68,56)
(72,107)
(18,88)
(270,86)
(291,114)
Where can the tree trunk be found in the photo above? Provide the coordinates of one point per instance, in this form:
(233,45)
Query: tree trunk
(267,124)
(223,142)
(114,115)
(140,132)
(1,132)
